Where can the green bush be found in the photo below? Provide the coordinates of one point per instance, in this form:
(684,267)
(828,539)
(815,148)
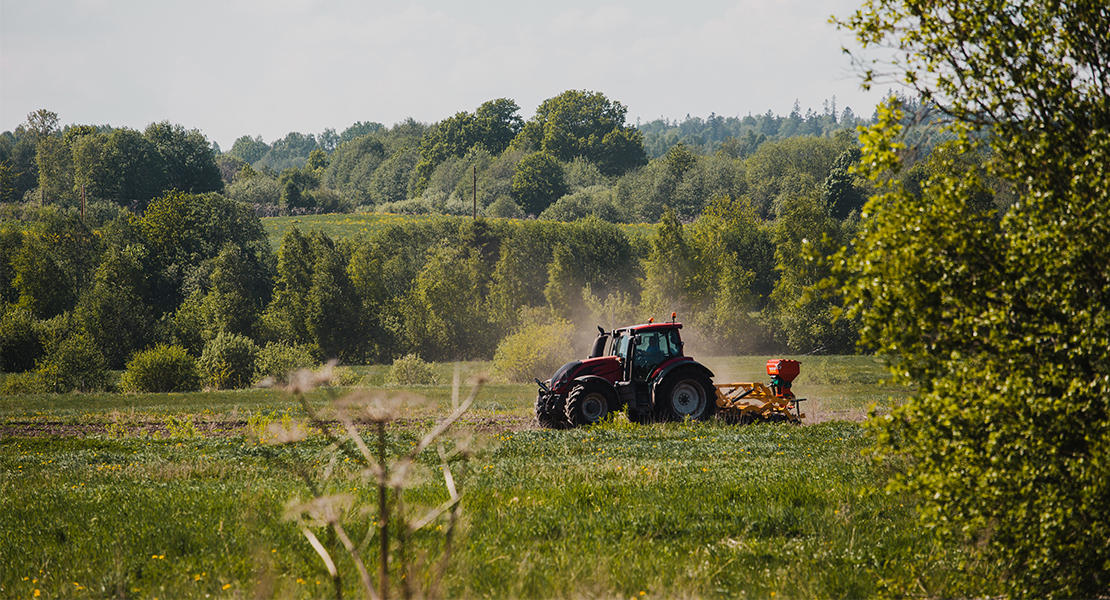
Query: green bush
(20,344)
(228,361)
(346,377)
(278,359)
(73,363)
(163,368)
(535,350)
(504,207)
(411,370)
(30,382)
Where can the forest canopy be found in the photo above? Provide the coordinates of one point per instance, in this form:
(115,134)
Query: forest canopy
(598,162)
(741,224)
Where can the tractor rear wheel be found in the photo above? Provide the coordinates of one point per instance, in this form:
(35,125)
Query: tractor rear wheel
(587,403)
(550,412)
(685,393)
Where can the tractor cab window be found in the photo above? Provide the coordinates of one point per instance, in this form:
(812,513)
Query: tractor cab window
(619,345)
(670,343)
(654,348)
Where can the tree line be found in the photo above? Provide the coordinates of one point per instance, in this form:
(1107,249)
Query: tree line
(576,156)
(45,163)
(739,241)
(192,267)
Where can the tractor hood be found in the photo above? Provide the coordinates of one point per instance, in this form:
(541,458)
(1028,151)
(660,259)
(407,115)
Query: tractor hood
(606,367)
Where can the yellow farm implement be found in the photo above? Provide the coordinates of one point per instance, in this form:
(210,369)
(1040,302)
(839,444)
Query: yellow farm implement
(744,403)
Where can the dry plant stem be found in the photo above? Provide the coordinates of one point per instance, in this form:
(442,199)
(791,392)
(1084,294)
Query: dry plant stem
(328,562)
(449,479)
(402,542)
(324,427)
(383,513)
(386,480)
(435,433)
(453,503)
(357,439)
(363,573)
(441,568)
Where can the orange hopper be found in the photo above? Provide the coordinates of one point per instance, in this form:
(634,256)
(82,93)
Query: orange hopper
(782,372)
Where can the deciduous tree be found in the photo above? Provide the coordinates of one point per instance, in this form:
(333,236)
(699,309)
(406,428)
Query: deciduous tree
(493,126)
(188,157)
(1000,323)
(538,182)
(587,124)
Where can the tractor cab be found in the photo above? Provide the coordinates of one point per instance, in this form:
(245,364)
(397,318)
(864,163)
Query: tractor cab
(645,349)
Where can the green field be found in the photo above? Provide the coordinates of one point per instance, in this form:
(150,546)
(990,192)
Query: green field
(145,496)
(341,226)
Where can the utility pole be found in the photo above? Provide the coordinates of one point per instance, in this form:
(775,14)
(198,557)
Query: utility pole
(475,215)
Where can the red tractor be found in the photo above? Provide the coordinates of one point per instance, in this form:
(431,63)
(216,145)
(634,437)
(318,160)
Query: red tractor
(641,368)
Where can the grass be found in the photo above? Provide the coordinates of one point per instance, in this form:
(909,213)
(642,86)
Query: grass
(614,510)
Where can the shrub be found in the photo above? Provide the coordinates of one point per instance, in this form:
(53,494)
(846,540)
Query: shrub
(255,191)
(504,207)
(536,350)
(228,361)
(30,382)
(411,370)
(345,377)
(278,359)
(73,363)
(163,368)
(597,201)
(20,344)
(331,201)
(412,206)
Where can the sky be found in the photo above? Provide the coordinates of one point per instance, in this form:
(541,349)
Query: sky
(268,67)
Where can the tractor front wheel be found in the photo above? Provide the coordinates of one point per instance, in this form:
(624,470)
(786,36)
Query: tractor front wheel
(550,412)
(685,393)
(587,403)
